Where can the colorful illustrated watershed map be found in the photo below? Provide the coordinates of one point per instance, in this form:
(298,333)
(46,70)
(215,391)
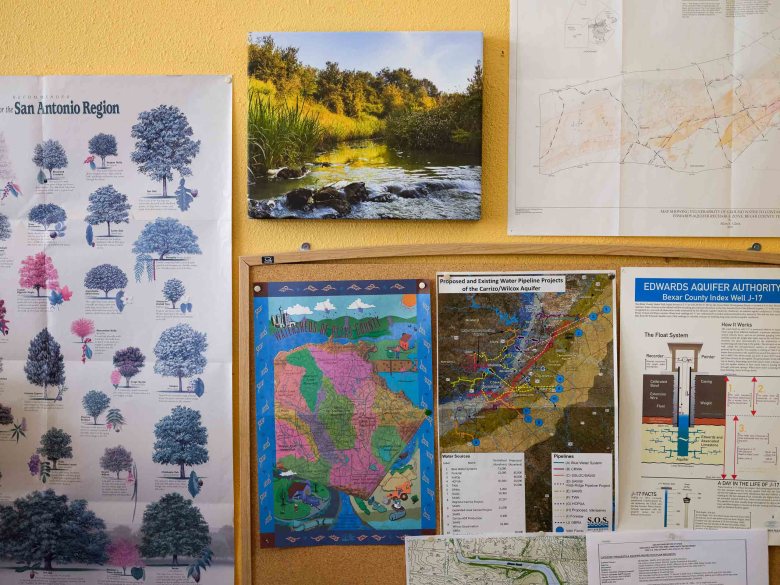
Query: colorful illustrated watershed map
(496,560)
(529,372)
(344,397)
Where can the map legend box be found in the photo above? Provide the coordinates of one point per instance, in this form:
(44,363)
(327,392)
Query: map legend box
(483,493)
(582,491)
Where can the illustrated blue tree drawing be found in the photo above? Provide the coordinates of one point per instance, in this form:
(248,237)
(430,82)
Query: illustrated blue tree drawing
(163,236)
(45,365)
(107,205)
(180,439)
(46,214)
(173,526)
(116,460)
(163,144)
(55,445)
(179,352)
(5,228)
(50,155)
(95,403)
(173,290)
(102,145)
(70,532)
(105,277)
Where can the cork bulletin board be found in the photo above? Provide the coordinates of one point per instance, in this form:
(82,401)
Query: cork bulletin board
(353,565)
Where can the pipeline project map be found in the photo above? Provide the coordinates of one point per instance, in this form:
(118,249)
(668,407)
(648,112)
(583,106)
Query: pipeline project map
(615,111)
(496,560)
(527,397)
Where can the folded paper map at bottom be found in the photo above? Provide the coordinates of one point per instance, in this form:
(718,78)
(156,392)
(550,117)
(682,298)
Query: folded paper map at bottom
(653,557)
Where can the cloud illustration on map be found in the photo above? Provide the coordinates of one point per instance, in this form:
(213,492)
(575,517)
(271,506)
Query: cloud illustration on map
(325,305)
(360,305)
(298,310)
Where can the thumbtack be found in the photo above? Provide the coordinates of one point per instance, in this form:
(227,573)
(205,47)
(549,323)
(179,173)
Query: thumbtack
(305,247)
(756,247)
(258,288)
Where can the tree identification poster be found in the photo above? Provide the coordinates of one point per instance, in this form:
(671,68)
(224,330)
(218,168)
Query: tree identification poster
(115,339)
(700,377)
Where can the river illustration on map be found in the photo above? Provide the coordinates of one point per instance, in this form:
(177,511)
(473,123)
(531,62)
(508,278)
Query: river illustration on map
(530,559)
(344,395)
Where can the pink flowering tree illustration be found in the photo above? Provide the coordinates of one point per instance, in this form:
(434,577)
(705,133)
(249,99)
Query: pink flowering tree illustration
(83,328)
(123,553)
(38,272)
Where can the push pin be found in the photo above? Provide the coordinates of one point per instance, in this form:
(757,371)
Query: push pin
(756,247)
(305,247)
(258,288)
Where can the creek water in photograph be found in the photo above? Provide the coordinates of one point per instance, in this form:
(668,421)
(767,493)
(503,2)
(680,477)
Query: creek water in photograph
(384,125)
(386,183)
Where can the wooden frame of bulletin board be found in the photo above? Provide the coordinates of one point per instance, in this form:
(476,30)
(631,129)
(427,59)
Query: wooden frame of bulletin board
(346,565)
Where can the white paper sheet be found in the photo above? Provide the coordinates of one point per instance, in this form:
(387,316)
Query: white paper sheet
(636,118)
(700,389)
(657,557)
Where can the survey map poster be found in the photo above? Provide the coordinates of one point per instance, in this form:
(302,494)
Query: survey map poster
(613,133)
(344,400)
(528,559)
(527,399)
(701,379)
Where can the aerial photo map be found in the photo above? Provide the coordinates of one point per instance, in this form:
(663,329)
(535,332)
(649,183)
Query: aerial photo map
(496,560)
(527,369)
(344,412)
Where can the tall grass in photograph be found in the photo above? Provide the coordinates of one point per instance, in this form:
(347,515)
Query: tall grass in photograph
(280,133)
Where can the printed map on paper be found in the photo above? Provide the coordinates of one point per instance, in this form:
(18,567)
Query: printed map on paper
(529,372)
(498,560)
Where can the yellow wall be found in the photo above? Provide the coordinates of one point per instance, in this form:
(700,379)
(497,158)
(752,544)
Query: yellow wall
(84,37)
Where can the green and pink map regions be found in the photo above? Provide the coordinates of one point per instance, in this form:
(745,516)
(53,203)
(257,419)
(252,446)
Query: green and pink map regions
(344,395)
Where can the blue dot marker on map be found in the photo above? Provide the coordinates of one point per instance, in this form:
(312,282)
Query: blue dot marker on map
(559,378)
(528,418)
(593,316)
(539,422)
(553,399)
(559,529)
(578,332)
(526,410)
(607,309)
(475,442)
(559,388)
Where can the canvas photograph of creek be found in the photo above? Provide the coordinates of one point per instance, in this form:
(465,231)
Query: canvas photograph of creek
(365,125)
